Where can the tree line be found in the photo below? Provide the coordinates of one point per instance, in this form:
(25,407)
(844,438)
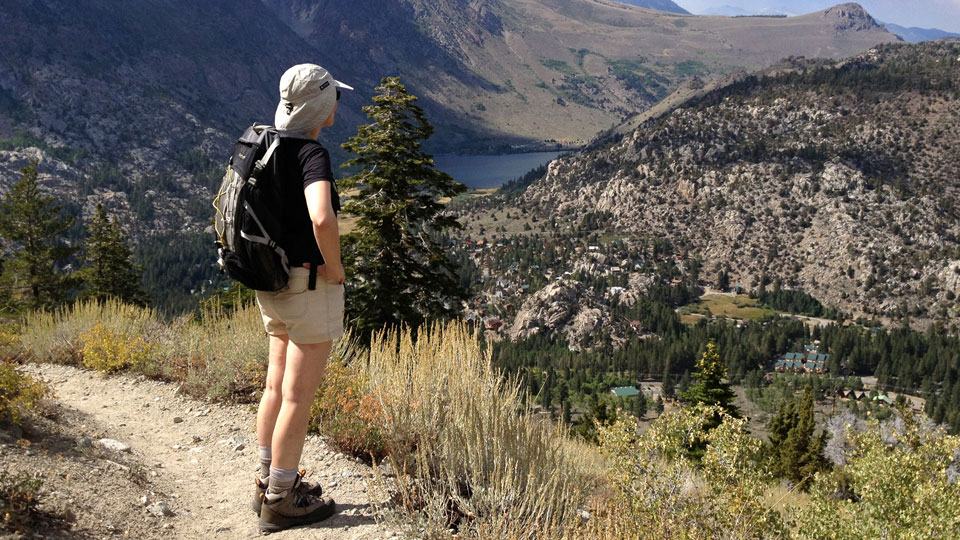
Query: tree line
(37,263)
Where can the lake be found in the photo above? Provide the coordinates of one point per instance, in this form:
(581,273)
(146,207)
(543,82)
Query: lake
(480,172)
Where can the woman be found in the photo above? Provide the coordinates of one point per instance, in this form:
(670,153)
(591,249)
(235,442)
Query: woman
(303,319)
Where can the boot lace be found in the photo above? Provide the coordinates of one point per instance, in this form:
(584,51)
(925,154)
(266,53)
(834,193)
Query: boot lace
(301,497)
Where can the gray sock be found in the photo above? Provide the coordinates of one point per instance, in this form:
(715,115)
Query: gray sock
(281,481)
(266,457)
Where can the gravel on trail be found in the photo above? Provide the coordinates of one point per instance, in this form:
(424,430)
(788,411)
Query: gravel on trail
(125,456)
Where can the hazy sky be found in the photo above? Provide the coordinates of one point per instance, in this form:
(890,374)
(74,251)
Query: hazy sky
(942,14)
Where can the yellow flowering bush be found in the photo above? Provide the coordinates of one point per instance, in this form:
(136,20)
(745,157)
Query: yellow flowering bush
(108,350)
(11,349)
(19,393)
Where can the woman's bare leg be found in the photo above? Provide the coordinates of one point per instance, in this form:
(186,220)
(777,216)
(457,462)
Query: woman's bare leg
(303,373)
(273,393)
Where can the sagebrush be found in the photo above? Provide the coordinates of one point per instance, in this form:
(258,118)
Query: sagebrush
(472,460)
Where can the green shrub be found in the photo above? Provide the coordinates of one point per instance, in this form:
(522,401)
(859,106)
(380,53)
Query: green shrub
(20,393)
(900,481)
(660,492)
(558,65)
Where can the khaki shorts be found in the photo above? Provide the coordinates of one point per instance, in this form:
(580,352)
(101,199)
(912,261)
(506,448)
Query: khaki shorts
(306,316)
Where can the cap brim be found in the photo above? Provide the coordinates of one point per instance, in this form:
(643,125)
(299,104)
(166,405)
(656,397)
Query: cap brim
(339,84)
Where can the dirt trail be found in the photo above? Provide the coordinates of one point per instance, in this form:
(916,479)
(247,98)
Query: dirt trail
(199,458)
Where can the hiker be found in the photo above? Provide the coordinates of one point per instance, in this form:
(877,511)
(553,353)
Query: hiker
(305,317)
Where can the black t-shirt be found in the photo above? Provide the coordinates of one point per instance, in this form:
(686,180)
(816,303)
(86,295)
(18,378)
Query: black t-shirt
(300,163)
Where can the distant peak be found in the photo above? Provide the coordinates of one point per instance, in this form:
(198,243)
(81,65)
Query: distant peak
(852,8)
(851,16)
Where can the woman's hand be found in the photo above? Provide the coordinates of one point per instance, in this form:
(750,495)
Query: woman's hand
(330,272)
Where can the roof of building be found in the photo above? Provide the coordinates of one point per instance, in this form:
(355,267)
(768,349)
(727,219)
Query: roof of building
(624,391)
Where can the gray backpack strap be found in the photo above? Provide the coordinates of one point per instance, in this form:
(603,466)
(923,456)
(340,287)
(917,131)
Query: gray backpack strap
(265,239)
(262,163)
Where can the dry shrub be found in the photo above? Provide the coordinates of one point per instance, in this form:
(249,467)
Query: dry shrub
(351,419)
(208,356)
(11,347)
(249,382)
(470,460)
(19,503)
(56,337)
(217,354)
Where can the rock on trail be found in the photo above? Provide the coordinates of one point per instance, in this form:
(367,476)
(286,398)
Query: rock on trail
(194,463)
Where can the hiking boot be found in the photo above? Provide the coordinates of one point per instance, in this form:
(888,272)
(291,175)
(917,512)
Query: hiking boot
(296,508)
(261,488)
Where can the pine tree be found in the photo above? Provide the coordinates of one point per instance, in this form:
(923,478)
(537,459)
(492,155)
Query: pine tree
(546,393)
(658,405)
(108,269)
(782,423)
(400,273)
(723,280)
(640,406)
(710,388)
(684,383)
(32,276)
(563,392)
(667,388)
(797,451)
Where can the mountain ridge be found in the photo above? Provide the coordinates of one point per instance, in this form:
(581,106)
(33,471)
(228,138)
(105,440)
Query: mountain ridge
(835,178)
(659,5)
(914,34)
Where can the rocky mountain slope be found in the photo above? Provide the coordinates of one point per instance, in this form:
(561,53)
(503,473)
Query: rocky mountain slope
(135,104)
(129,101)
(149,88)
(837,178)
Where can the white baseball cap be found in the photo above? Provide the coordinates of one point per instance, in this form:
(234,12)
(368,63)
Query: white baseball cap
(308,94)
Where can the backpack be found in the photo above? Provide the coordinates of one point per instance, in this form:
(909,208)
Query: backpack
(248,224)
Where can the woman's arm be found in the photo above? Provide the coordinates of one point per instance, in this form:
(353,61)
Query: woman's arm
(325,229)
